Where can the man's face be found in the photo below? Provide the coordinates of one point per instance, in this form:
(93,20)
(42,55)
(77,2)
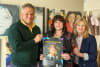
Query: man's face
(27,15)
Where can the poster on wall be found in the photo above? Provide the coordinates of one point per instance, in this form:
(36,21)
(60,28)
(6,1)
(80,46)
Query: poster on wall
(8,14)
(69,17)
(50,15)
(39,18)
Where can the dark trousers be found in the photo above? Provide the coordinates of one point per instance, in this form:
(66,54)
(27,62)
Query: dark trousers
(75,65)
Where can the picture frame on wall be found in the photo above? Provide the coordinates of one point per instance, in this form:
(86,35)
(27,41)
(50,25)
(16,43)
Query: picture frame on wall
(50,15)
(65,13)
(9,14)
(39,19)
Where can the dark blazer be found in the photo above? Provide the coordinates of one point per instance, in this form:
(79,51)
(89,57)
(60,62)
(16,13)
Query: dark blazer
(89,46)
(24,49)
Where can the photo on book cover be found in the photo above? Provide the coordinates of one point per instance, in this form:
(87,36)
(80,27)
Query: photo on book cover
(52,50)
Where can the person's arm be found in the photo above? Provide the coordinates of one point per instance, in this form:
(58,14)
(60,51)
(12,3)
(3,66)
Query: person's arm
(68,52)
(92,53)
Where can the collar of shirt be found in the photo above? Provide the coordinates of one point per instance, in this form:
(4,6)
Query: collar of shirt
(79,41)
(79,38)
(30,27)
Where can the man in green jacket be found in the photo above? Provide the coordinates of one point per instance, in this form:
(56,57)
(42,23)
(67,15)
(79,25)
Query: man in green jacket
(25,38)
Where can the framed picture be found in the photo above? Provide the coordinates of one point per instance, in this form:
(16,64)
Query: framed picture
(65,13)
(8,14)
(40,18)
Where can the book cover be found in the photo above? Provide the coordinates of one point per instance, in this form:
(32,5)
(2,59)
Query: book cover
(52,50)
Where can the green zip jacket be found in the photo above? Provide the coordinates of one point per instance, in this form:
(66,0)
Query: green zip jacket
(24,48)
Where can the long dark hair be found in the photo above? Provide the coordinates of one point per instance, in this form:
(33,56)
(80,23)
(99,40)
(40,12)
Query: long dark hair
(58,18)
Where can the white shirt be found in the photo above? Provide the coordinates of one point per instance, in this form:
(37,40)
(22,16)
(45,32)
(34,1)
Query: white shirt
(79,43)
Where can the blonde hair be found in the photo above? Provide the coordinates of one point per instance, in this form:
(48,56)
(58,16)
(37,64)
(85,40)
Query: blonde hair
(86,33)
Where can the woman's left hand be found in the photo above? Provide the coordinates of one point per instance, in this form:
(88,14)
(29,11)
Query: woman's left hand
(66,56)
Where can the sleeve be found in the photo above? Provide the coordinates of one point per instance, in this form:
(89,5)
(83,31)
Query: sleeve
(92,49)
(69,49)
(86,57)
(41,47)
(40,51)
(41,44)
(16,42)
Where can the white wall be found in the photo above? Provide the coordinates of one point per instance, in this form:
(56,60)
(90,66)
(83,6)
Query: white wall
(92,4)
(3,51)
(63,4)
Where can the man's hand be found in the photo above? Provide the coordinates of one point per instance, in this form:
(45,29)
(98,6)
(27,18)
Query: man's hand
(38,38)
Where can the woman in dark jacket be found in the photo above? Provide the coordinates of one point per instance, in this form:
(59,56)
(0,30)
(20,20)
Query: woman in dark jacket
(59,31)
(86,50)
